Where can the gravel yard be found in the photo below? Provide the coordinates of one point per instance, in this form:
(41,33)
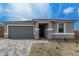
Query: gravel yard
(56,48)
(10,47)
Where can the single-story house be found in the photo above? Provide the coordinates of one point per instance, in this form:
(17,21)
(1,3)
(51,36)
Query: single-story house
(39,28)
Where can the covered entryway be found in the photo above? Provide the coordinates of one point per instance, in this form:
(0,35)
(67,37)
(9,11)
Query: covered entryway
(43,30)
(20,32)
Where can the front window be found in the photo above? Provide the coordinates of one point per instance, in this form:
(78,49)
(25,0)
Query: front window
(61,28)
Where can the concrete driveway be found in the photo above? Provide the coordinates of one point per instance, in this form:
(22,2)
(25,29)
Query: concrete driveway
(10,47)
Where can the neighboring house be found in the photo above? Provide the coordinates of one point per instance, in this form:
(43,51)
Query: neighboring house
(76,34)
(1,30)
(40,28)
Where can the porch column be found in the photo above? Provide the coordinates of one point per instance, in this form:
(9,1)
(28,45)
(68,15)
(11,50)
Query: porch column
(36,31)
(50,30)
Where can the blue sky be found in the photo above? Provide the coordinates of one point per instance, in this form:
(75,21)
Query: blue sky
(19,11)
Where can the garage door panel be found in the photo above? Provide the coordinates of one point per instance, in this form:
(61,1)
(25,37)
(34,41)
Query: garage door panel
(21,32)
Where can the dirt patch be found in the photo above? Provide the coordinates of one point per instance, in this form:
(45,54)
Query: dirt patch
(45,49)
(55,48)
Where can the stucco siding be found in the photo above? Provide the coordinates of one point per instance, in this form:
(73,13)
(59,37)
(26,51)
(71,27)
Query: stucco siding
(5,28)
(54,26)
(46,32)
(16,23)
(69,27)
(21,22)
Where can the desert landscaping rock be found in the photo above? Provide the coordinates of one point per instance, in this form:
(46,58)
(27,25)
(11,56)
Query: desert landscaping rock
(10,47)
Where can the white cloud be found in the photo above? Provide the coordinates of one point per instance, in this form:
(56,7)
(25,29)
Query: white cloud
(24,19)
(1,10)
(21,8)
(8,10)
(29,11)
(68,10)
(43,10)
(78,10)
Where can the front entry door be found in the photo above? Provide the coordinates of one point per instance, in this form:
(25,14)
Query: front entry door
(42,30)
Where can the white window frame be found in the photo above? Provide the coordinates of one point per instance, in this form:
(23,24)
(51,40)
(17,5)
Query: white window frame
(64,30)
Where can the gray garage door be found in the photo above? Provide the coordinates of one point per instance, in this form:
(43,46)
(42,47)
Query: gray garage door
(20,32)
